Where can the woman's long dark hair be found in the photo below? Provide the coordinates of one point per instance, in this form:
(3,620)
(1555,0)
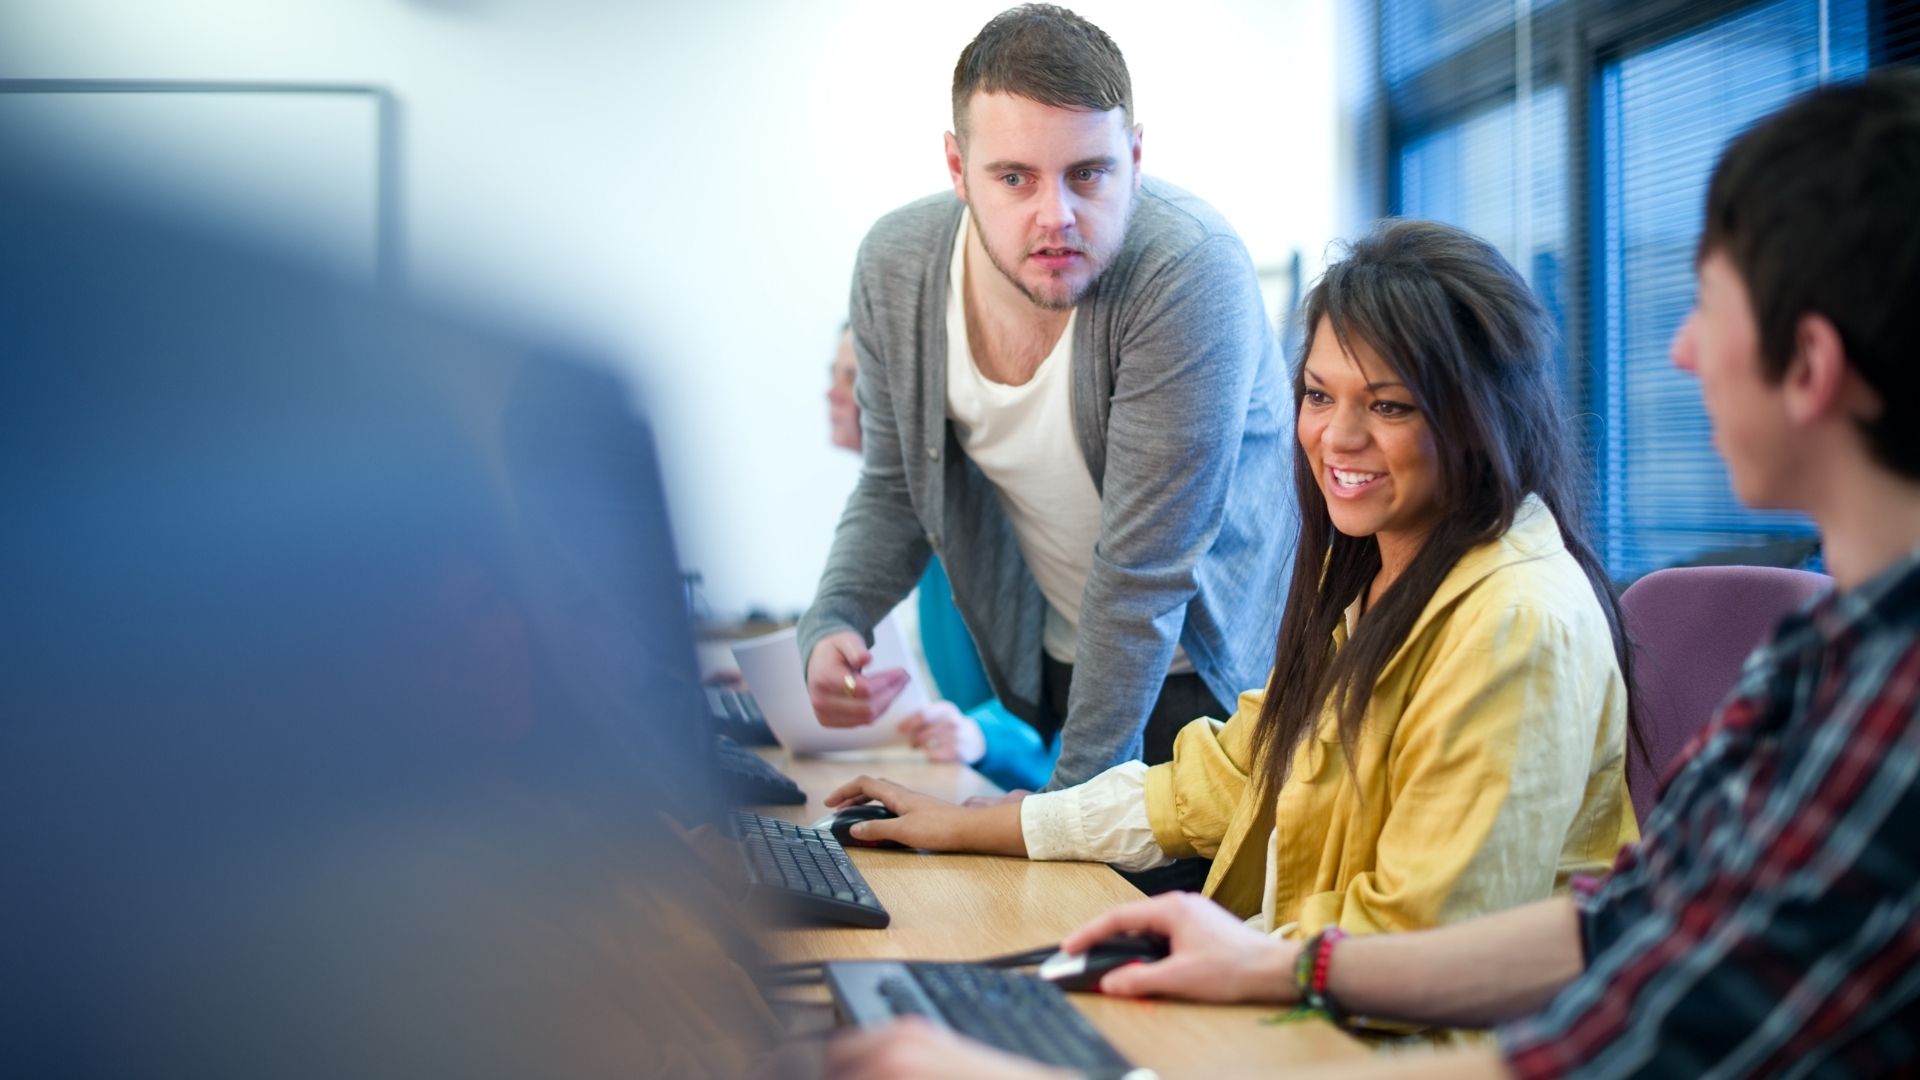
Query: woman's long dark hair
(1474,347)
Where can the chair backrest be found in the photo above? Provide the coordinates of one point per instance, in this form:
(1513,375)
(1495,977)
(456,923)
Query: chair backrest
(1693,628)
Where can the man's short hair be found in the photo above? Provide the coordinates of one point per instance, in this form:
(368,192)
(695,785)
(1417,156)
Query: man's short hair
(1046,54)
(1818,209)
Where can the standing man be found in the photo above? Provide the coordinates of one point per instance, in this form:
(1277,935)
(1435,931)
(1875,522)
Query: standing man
(1070,392)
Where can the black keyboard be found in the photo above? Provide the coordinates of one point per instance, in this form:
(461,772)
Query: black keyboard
(751,779)
(736,715)
(802,872)
(1017,1012)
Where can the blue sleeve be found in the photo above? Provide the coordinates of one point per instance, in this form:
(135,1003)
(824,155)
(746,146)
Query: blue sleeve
(1016,757)
(948,647)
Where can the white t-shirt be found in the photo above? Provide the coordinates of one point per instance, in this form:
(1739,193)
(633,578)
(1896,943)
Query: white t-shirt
(1022,438)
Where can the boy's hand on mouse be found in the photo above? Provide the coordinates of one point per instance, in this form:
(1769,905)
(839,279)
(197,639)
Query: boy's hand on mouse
(1216,957)
(929,823)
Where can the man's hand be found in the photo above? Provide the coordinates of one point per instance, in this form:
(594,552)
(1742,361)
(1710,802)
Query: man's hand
(842,697)
(1215,957)
(946,733)
(932,824)
(914,1048)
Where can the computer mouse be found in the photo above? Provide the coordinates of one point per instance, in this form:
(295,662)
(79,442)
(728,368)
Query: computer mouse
(1082,971)
(844,819)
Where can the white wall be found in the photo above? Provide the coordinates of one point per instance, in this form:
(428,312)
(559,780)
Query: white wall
(684,185)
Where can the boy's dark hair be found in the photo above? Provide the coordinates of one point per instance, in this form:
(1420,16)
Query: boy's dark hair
(1046,54)
(1818,209)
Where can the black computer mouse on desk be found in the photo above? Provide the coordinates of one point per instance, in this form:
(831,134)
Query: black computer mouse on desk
(1082,971)
(845,818)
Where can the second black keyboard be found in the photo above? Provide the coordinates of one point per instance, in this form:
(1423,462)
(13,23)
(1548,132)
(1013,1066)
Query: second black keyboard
(736,715)
(796,871)
(750,778)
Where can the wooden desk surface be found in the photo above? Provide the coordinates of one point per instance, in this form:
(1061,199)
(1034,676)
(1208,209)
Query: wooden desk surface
(969,907)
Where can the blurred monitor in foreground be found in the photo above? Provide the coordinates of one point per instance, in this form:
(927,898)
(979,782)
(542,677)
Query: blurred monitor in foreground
(344,676)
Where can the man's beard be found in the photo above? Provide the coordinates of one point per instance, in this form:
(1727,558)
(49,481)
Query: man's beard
(1096,260)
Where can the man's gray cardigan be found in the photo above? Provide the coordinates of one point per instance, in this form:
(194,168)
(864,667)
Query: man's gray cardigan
(1180,412)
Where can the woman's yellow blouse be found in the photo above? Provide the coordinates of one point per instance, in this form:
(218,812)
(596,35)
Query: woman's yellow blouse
(1490,768)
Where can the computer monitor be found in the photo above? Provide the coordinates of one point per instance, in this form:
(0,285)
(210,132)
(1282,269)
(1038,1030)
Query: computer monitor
(346,674)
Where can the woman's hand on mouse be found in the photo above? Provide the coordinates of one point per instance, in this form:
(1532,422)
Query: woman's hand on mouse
(932,824)
(1215,956)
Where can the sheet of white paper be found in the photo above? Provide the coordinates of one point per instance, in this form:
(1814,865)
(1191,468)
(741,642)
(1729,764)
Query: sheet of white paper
(772,668)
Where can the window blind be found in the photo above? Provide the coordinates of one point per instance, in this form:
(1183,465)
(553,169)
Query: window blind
(1893,32)
(1594,191)
(1481,175)
(1664,115)
(1415,34)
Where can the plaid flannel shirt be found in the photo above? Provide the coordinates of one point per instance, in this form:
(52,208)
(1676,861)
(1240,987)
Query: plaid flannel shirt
(1768,922)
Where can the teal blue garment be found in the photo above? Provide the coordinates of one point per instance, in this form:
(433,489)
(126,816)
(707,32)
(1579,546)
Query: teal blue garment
(1016,757)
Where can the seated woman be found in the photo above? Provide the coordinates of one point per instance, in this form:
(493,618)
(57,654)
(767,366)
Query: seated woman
(1444,731)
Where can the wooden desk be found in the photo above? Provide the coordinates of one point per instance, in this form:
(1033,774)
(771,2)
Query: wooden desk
(969,907)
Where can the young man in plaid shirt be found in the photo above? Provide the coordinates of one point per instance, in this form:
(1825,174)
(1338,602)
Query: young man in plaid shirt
(1768,923)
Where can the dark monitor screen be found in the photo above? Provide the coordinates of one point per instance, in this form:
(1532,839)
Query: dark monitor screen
(230,481)
(346,674)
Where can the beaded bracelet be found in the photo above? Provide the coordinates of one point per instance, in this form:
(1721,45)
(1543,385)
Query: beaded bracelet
(1310,974)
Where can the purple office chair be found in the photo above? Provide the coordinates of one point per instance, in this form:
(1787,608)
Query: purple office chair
(1693,628)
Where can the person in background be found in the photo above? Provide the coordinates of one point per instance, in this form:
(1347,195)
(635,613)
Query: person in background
(970,726)
(1444,734)
(1768,923)
(843,409)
